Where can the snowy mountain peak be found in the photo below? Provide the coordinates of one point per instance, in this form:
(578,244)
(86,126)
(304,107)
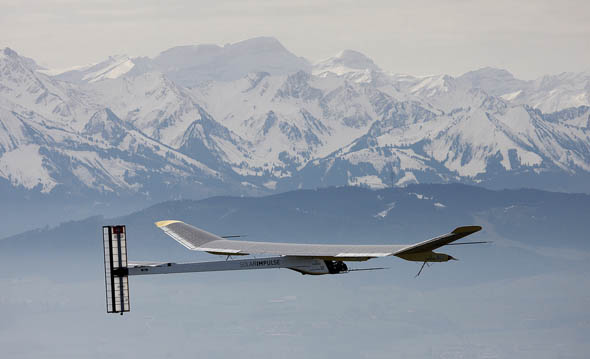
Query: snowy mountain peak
(22,87)
(489,72)
(179,57)
(193,66)
(345,62)
(431,86)
(250,116)
(355,60)
(494,81)
(8,53)
(262,43)
(113,67)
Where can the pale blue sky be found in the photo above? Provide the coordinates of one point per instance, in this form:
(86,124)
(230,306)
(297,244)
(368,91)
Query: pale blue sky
(528,37)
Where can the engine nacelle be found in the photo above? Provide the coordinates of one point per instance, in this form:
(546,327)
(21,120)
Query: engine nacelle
(426,257)
(335,267)
(317,266)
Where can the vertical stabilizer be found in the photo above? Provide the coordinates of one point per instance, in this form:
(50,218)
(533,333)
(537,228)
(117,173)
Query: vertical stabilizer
(115,269)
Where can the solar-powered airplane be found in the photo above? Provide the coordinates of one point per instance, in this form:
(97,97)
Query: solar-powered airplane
(314,259)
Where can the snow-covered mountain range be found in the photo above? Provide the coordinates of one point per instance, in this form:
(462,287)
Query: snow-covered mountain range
(252,117)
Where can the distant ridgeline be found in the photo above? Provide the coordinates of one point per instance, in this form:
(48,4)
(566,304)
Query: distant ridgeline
(339,215)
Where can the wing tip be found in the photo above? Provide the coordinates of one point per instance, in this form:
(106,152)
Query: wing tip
(466,229)
(161,224)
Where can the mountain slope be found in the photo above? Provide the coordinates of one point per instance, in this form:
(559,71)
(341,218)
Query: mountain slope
(480,144)
(73,145)
(252,117)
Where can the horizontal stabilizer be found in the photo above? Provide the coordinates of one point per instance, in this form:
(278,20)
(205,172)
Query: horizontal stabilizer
(115,269)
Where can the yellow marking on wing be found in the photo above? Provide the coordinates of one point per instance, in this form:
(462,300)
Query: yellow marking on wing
(165,223)
(467,229)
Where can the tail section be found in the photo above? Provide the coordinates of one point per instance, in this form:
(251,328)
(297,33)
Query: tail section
(115,269)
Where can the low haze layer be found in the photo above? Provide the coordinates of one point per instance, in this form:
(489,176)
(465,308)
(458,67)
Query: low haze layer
(525,295)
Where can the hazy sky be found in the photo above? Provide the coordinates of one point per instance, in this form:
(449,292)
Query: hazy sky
(527,37)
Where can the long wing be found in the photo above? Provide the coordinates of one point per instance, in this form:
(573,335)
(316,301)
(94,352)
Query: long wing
(199,240)
(432,244)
